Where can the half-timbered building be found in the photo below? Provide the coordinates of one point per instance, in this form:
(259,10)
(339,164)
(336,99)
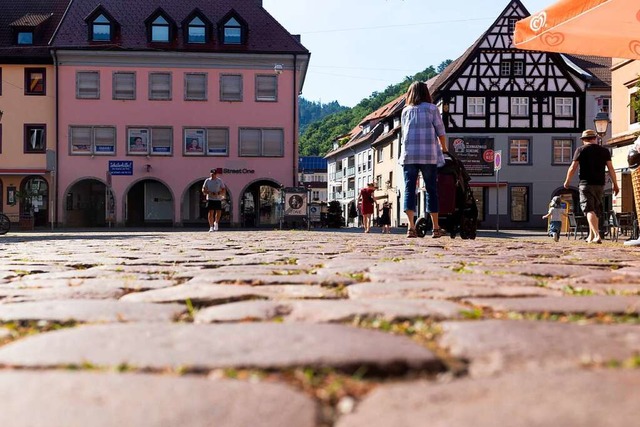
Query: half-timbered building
(529,106)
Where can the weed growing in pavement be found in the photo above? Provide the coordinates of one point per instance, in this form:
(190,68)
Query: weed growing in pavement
(24,328)
(599,318)
(576,291)
(473,314)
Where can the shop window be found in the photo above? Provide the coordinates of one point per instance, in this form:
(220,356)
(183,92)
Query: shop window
(35,138)
(34,81)
(124,85)
(519,203)
(230,87)
(195,86)
(87,85)
(92,140)
(160,86)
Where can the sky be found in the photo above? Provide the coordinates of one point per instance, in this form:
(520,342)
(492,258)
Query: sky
(362,46)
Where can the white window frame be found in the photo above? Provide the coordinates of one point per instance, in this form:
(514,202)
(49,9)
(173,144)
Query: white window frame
(261,135)
(520,106)
(92,91)
(91,146)
(124,85)
(521,146)
(476,106)
(266,87)
(565,148)
(564,107)
(231,87)
(195,97)
(159,95)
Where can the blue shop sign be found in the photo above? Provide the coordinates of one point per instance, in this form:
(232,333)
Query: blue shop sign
(121,167)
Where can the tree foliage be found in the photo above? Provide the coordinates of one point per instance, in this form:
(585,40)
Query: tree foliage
(311,111)
(317,138)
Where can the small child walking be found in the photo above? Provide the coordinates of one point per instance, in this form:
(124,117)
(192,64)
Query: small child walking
(556,213)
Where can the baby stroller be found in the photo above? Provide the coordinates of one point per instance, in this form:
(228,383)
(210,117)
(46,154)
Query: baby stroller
(458,211)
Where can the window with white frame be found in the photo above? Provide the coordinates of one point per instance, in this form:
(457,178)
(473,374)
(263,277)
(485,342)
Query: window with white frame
(195,86)
(475,106)
(505,68)
(124,85)
(520,106)
(231,87)
(379,154)
(92,140)
(206,141)
(519,151)
(266,88)
(564,107)
(88,85)
(261,142)
(562,151)
(160,29)
(160,86)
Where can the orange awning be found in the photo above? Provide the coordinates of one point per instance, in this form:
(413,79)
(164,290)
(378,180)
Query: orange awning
(609,28)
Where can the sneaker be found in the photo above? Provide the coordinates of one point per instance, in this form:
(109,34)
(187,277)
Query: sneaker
(556,236)
(215,226)
(437,232)
(211,230)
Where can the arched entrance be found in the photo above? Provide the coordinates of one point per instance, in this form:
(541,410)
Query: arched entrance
(34,200)
(86,204)
(261,204)
(194,212)
(149,203)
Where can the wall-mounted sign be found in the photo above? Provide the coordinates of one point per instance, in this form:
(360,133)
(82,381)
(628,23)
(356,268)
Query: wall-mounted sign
(243,170)
(121,167)
(476,153)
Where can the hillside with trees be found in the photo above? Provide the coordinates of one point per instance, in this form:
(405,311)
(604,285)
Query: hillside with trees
(312,111)
(317,138)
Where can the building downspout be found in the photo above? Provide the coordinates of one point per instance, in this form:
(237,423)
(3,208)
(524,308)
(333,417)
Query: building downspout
(295,121)
(57,120)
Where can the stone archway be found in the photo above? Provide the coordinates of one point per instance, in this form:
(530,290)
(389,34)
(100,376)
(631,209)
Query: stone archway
(149,203)
(194,213)
(261,204)
(86,202)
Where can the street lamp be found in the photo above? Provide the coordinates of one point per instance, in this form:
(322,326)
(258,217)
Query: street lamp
(601,122)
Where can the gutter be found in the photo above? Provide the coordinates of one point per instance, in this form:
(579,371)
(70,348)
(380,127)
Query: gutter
(57,121)
(295,121)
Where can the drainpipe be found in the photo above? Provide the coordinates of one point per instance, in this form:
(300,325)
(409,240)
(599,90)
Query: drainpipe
(295,120)
(57,119)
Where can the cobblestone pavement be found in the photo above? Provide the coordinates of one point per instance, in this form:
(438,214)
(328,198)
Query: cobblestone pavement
(316,328)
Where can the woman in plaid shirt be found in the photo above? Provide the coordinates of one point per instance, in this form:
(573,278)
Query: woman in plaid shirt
(423,142)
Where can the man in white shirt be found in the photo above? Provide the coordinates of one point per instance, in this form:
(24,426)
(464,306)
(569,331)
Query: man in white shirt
(215,190)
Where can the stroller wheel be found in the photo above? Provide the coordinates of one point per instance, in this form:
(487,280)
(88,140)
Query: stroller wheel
(422,226)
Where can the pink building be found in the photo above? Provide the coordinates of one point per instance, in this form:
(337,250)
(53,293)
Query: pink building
(151,97)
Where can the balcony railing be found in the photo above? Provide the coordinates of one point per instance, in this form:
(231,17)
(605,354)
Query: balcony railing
(351,171)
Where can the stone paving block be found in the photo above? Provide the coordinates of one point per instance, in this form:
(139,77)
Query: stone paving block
(69,292)
(120,281)
(83,399)
(442,289)
(203,294)
(494,346)
(329,311)
(213,277)
(588,305)
(249,345)
(576,398)
(90,311)
(601,282)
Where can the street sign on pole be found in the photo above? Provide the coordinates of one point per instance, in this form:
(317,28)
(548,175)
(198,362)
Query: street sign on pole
(497,160)
(497,164)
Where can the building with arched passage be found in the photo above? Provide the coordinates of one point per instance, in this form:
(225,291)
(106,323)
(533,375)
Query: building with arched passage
(151,98)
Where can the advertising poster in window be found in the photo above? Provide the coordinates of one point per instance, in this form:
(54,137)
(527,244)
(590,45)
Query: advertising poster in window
(138,141)
(475,153)
(194,141)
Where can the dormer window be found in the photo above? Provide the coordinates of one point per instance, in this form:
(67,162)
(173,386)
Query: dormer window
(25,37)
(101,29)
(160,30)
(197,31)
(232,32)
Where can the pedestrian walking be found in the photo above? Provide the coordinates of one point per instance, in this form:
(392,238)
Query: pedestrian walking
(423,144)
(366,200)
(591,159)
(555,215)
(385,218)
(215,190)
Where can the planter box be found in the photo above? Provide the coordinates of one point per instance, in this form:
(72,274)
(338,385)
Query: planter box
(26,222)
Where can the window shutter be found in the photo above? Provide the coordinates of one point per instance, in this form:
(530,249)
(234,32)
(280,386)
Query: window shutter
(231,88)
(105,140)
(217,142)
(88,85)
(124,86)
(80,139)
(196,87)
(266,88)
(161,140)
(250,142)
(160,86)
(273,142)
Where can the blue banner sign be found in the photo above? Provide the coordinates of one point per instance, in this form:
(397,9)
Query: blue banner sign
(121,167)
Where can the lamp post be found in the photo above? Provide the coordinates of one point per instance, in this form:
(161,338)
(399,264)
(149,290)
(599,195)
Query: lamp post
(601,122)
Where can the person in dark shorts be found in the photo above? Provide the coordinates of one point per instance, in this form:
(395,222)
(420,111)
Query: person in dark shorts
(592,158)
(215,190)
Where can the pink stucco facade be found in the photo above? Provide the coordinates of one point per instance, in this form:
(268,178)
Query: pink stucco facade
(179,172)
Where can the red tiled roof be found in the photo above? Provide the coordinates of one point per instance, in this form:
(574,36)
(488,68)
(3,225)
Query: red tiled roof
(265,34)
(44,15)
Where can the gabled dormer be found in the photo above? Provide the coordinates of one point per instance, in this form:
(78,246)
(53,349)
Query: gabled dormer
(233,30)
(27,28)
(197,28)
(161,28)
(102,27)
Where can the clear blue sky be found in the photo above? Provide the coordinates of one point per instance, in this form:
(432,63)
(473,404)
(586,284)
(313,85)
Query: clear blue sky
(361,46)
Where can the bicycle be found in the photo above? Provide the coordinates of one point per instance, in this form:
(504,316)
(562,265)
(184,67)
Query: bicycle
(5,224)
